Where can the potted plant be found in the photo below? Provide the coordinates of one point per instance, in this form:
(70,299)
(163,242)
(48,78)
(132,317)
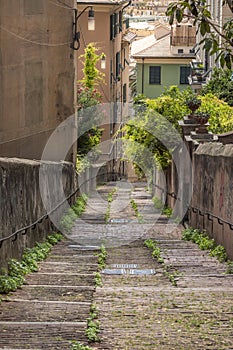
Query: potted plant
(202,119)
(193,103)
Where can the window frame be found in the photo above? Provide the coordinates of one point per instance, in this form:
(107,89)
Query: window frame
(155,77)
(184,76)
(118,61)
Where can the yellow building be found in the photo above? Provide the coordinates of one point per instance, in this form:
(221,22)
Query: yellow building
(111,37)
(36,74)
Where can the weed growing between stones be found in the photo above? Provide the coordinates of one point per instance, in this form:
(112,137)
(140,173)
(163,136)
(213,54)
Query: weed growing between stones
(110,199)
(93,326)
(156,253)
(75,345)
(14,276)
(167,211)
(73,213)
(157,202)
(92,330)
(229,267)
(205,243)
(98,279)
(102,256)
(136,211)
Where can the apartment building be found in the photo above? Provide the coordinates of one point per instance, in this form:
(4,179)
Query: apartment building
(220,14)
(163,59)
(36,73)
(148,8)
(111,38)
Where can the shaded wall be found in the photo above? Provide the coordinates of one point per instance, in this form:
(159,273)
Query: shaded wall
(208,188)
(213,191)
(36,74)
(21,205)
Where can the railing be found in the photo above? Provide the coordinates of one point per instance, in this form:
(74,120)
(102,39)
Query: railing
(33,225)
(195,210)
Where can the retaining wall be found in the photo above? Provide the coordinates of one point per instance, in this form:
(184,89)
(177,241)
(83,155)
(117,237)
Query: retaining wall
(213,191)
(21,203)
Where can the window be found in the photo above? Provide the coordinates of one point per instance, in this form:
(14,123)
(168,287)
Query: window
(116,19)
(111,27)
(180,51)
(114,25)
(120,21)
(154,75)
(111,73)
(184,73)
(118,61)
(126,21)
(124,93)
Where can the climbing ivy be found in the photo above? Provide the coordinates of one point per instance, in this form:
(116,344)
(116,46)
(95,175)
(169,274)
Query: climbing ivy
(92,75)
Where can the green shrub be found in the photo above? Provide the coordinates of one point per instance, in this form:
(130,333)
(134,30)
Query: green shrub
(75,345)
(205,243)
(158,204)
(7,284)
(73,213)
(14,277)
(167,211)
(219,252)
(221,114)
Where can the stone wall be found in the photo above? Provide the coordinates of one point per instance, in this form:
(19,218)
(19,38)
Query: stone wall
(213,191)
(208,188)
(21,203)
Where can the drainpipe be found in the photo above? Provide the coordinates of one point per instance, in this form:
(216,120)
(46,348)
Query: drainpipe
(129,3)
(143,68)
(122,9)
(75,132)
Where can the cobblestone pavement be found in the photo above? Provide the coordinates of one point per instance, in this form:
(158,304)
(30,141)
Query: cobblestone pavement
(187,303)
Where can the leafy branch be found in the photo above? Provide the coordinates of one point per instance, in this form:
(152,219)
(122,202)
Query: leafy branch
(198,11)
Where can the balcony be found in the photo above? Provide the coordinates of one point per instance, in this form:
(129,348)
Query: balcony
(198,74)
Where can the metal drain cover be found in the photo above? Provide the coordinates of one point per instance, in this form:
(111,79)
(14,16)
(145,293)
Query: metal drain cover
(128,272)
(83,247)
(119,221)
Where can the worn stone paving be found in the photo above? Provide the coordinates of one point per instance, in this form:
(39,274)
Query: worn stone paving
(51,309)
(137,310)
(149,312)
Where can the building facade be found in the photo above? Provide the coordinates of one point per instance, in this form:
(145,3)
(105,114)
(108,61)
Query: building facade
(220,14)
(164,61)
(36,73)
(111,38)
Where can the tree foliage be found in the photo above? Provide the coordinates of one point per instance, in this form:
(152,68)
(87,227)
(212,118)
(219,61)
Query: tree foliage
(92,75)
(221,114)
(221,85)
(199,12)
(153,132)
(151,138)
(89,98)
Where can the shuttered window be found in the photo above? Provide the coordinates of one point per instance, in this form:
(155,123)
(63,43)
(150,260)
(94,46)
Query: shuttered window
(118,61)
(184,73)
(111,27)
(154,75)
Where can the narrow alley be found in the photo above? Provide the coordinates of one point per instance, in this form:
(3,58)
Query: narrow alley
(179,299)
